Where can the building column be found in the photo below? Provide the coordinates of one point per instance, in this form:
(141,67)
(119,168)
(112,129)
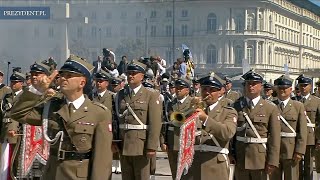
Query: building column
(245,19)
(245,50)
(226,52)
(256,52)
(257,18)
(231,56)
(220,52)
(231,20)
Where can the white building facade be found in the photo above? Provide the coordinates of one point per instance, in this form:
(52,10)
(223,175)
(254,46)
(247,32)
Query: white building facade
(267,34)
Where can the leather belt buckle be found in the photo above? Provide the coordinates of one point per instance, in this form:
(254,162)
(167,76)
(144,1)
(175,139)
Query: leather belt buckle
(61,154)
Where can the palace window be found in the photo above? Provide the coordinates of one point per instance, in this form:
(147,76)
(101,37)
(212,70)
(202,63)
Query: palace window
(250,54)
(238,55)
(153,31)
(138,31)
(250,22)
(211,54)
(184,30)
(212,23)
(239,24)
(260,22)
(168,30)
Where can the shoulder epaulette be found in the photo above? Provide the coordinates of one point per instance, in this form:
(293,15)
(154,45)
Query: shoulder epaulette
(270,102)
(100,105)
(228,107)
(151,89)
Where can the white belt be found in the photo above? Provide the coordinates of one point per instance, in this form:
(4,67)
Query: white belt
(252,140)
(133,126)
(207,148)
(285,134)
(311,125)
(170,128)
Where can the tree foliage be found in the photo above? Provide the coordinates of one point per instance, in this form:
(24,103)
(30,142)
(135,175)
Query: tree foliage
(133,49)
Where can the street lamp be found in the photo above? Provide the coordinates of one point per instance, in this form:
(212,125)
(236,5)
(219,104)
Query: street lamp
(146,38)
(100,38)
(173,31)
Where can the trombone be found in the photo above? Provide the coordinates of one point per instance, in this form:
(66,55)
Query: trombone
(177,118)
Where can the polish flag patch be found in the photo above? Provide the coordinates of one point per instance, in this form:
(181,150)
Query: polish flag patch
(110,127)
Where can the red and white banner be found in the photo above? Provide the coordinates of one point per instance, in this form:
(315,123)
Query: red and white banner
(33,147)
(187,140)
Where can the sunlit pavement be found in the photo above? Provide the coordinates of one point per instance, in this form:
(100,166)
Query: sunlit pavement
(163,169)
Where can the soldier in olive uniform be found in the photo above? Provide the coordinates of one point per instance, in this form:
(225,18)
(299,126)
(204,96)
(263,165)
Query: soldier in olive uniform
(268,91)
(103,95)
(196,87)
(181,103)
(5,91)
(223,99)
(12,127)
(312,106)
(293,131)
(317,93)
(257,139)
(85,152)
(217,126)
(139,109)
(233,95)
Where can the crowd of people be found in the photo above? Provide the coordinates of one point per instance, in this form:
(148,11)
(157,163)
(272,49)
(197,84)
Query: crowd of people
(100,112)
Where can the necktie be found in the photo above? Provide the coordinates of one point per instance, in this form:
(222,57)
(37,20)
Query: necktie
(251,105)
(71,109)
(282,106)
(303,100)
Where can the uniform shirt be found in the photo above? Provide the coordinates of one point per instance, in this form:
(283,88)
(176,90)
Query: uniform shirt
(18,92)
(78,102)
(211,107)
(306,97)
(285,102)
(102,93)
(254,101)
(182,100)
(135,90)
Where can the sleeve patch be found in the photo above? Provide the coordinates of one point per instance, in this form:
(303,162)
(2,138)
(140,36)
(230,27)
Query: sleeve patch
(110,127)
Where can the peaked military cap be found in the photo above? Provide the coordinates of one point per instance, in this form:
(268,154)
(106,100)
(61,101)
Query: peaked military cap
(28,75)
(228,80)
(283,81)
(78,65)
(251,75)
(213,80)
(137,67)
(302,79)
(171,84)
(102,75)
(182,82)
(196,80)
(147,84)
(115,81)
(267,86)
(40,67)
(16,76)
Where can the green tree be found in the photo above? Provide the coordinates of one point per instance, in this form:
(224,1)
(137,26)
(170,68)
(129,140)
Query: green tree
(133,49)
(78,48)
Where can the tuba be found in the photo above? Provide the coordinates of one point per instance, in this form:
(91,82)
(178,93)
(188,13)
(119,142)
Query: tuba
(178,118)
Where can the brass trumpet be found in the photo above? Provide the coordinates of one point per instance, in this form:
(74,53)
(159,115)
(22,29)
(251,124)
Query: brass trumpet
(178,118)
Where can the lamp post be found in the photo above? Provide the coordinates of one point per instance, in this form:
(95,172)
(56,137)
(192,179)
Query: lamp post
(100,38)
(173,31)
(146,38)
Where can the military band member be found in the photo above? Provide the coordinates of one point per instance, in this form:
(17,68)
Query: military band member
(233,95)
(268,91)
(139,109)
(196,87)
(103,95)
(257,137)
(312,106)
(85,152)
(223,99)
(217,126)
(293,131)
(317,93)
(172,89)
(181,103)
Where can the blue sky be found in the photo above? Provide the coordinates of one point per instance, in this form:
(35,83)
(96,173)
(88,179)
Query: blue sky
(316,2)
